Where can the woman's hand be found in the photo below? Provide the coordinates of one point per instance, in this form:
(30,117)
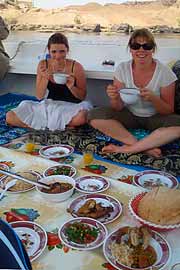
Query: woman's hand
(43,71)
(146,94)
(112,91)
(70,81)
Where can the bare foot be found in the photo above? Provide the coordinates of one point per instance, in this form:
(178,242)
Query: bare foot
(155,152)
(111,148)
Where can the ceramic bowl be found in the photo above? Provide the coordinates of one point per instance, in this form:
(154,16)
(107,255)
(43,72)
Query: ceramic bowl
(60,78)
(133,208)
(129,95)
(57,197)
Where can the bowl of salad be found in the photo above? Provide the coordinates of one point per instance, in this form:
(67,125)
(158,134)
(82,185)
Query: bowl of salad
(61,169)
(83,233)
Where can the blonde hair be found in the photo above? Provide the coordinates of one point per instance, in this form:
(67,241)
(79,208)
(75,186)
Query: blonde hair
(144,33)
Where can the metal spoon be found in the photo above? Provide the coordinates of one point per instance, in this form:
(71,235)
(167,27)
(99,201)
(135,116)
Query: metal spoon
(17,176)
(8,185)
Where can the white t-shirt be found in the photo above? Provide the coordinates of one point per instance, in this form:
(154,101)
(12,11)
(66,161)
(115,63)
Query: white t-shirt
(163,76)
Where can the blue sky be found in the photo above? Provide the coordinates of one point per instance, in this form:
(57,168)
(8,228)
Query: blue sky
(63,3)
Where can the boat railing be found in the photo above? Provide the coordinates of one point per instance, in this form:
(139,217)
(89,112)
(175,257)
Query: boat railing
(26,55)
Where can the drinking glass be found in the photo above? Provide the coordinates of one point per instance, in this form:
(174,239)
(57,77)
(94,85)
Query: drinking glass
(88,157)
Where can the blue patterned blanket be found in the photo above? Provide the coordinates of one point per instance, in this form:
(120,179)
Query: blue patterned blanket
(85,137)
(7,102)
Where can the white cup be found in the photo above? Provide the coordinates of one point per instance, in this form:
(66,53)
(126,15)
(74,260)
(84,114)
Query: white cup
(129,95)
(60,78)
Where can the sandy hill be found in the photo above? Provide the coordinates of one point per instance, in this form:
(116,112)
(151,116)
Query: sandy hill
(136,14)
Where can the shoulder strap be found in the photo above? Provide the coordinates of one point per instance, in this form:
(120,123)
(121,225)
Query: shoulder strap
(72,68)
(46,63)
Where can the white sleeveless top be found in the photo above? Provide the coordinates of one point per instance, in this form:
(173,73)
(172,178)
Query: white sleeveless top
(163,76)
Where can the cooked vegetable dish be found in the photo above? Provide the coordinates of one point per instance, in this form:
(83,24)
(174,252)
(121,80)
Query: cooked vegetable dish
(63,170)
(81,233)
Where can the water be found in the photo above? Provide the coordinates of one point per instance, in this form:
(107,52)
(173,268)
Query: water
(163,40)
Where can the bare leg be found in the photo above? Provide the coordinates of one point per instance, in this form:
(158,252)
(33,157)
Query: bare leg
(13,120)
(114,129)
(117,131)
(155,139)
(79,119)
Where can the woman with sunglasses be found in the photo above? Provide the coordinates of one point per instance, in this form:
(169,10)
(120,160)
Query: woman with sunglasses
(155,106)
(63,104)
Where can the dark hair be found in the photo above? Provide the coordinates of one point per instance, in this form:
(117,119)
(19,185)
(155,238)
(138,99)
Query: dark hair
(58,38)
(144,33)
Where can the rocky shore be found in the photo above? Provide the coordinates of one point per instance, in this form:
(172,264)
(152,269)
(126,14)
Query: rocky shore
(95,18)
(96,28)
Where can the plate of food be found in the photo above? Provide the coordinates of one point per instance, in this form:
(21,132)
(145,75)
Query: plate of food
(133,248)
(61,169)
(83,233)
(101,207)
(158,209)
(33,236)
(56,151)
(150,179)
(21,186)
(91,184)
(5,168)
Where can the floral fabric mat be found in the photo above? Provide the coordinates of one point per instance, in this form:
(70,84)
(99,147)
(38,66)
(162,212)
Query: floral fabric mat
(30,206)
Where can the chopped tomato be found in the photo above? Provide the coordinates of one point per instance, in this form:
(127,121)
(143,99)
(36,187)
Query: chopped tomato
(89,238)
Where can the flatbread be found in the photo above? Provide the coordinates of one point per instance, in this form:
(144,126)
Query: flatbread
(161,206)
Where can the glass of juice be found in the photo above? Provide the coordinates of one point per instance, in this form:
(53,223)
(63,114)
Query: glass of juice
(88,157)
(29,147)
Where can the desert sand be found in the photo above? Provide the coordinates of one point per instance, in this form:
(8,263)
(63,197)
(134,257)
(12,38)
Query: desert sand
(135,14)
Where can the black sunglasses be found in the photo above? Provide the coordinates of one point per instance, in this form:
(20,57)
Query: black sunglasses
(145,46)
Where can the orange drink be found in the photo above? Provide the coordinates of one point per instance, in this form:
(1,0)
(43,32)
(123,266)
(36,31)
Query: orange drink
(29,147)
(87,158)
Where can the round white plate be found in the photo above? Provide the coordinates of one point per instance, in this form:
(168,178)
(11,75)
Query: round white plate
(102,234)
(61,169)
(25,189)
(105,200)
(160,245)
(91,184)
(5,168)
(33,236)
(56,151)
(149,179)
